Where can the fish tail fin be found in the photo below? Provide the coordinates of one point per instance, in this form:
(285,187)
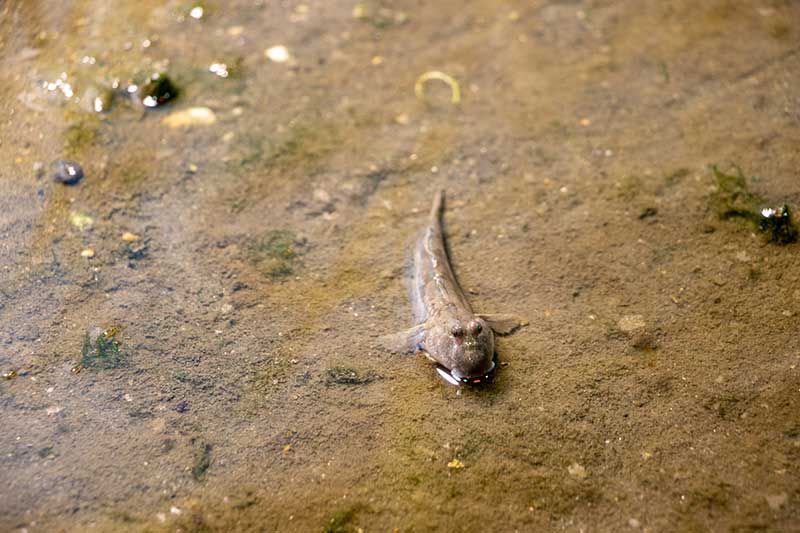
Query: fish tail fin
(438,204)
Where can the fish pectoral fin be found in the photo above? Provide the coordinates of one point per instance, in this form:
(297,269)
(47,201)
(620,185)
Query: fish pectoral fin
(504,324)
(403,342)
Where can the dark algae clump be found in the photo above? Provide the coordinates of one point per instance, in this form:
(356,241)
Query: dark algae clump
(732,199)
(202,460)
(341,521)
(101,350)
(777,224)
(157,90)
(276,253)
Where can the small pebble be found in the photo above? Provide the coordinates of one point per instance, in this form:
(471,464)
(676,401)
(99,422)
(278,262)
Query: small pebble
(455,463)
(66,171)
(577,470)
(194,116)
(278,54)
(130,237)
(182,406)
(88,253)
(630,323)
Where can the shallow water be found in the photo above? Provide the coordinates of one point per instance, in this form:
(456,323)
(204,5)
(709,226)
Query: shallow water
(237,384)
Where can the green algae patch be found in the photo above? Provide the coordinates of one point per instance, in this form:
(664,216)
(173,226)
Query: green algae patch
(731,197)
(101,350)
(342,375)
(202,460)
(341,521)
(305,146)
(276,254)
(80,135)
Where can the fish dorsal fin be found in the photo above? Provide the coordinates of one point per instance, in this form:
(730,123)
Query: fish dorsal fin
(503,324)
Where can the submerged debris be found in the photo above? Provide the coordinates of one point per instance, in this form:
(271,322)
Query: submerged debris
(777,224)
(455,90)
(101,350)
(157,90)
(66,171)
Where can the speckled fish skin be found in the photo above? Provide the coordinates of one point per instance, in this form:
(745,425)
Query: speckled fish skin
(449,332)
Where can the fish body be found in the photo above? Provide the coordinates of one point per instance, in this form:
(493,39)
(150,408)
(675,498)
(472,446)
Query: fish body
(446,328)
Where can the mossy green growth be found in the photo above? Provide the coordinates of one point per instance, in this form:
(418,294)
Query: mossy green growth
(202,460)
(276,253)
(341,520)
(101,350)
(342,375)
(80,135)
(306,145)
(731,197)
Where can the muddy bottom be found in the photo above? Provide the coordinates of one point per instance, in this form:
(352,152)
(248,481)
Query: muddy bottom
(188,328)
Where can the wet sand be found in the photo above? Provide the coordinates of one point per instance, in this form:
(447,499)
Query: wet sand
(237,384)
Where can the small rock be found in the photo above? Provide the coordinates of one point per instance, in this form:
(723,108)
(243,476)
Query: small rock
(182,406)
(776,501)
(130,237)
(635,524)
(630,323)
(66,171)
(226,308)
(88,253)
(38,169)
(455,464)
(648,212)
(277,54)
(322,195)
(194,116)
(81,220)
(577,471)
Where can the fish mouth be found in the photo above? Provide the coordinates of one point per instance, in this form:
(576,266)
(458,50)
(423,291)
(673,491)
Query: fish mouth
(455,379)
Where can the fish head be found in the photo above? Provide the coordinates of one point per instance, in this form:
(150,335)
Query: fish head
(466,349)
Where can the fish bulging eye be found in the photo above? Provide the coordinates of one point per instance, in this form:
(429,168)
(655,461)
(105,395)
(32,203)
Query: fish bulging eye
(457,331)
(475,327)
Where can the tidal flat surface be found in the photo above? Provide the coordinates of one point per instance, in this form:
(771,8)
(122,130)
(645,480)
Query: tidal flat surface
(187,330)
